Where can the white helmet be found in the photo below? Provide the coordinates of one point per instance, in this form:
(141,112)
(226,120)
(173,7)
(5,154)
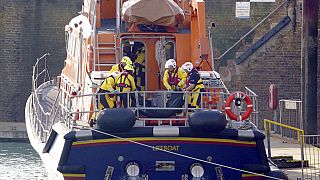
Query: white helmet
(170,62)
(187,66)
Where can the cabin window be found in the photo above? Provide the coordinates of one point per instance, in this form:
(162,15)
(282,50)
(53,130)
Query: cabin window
(164,50)
(67,35)
(77,48)
(170,50)
(72,45)
(70,42)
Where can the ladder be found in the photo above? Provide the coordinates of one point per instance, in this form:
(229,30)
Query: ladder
(106,51)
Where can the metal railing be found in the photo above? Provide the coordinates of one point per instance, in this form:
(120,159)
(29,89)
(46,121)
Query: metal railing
(310,156)
(146,101)
(42,119)
(268,131)
(290,114)
(68,107)
(255,114)
(93,21)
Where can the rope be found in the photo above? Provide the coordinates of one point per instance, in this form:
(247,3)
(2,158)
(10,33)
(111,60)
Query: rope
(161,54)
(182,155)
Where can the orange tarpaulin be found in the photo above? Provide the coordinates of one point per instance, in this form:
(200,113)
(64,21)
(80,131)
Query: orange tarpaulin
(158,12)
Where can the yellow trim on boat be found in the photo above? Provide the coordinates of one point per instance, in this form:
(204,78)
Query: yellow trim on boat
(74,175)
(164,139)
(250,175)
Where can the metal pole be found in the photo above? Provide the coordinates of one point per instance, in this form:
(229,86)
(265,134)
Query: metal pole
(268,140)
(302,154)
(309,48)
(211,47)
(118,16)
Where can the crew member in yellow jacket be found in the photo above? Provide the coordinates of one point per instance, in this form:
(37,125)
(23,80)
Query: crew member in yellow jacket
(119,67)
(125,83)
(194,84)
(139,65)
(104,98)
(174,79)
(108,86)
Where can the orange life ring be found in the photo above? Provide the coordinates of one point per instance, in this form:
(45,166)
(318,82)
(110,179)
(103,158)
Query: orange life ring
(238,96)
(89,58)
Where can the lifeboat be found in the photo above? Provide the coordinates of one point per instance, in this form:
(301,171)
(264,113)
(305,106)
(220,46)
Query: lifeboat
(145,132)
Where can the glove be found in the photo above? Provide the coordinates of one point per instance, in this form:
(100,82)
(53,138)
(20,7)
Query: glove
(115,91)
(177,88)
(171,90)
(92,122)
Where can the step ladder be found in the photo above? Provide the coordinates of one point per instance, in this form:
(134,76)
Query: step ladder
(106,51)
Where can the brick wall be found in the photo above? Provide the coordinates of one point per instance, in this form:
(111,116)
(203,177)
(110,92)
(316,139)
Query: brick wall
(28,29)
(277,62)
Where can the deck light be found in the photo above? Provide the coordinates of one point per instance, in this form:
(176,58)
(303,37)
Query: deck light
(132,169)
(197,170)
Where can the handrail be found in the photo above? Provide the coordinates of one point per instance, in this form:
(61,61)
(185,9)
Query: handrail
(289,100)
(155,94)
(249,90)
(254,28)
(299,131)
(283,125)
(267,131)
(39,116)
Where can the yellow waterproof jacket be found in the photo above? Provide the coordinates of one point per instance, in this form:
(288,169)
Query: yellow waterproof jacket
(116,67)
(140,58)
(194,78)
(199,86)
(107,100)
(108,84)
(139,65)
(125,82)
(176,78)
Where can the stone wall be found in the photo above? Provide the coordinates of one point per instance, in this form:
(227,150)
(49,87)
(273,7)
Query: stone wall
(28,29)
(276,62)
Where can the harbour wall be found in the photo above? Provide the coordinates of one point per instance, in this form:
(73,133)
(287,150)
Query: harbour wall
(30,28)
(276,62)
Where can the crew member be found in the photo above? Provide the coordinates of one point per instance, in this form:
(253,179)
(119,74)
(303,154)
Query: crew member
(108,86)
(104,99)
(119,67)
(139,65)
(125,83)
(174,78)
(194,84)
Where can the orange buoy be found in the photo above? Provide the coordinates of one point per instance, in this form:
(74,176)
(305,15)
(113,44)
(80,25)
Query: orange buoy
(238,96)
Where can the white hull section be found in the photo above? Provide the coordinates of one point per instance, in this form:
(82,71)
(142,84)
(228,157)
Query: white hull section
(51,159)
